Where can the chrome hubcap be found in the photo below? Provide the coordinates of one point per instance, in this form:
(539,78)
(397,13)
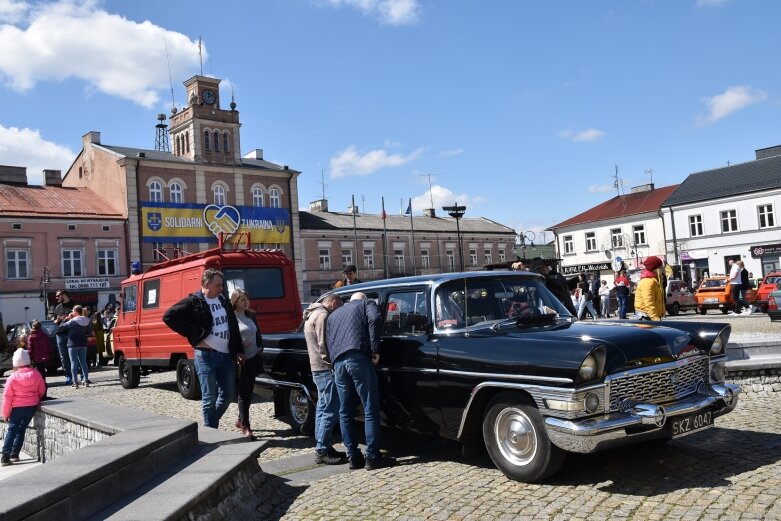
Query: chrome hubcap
(515,436)
(299,406)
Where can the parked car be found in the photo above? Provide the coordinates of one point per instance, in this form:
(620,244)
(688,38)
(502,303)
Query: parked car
(774,304)
(15,331)
(679,297)
(494,358)
(768,285)
(716,293)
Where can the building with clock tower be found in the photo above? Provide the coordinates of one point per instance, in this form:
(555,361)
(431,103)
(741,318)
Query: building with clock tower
(179,200)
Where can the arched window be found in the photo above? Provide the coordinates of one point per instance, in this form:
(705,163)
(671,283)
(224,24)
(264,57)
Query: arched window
(176,146)
(225,147)
(206,135)
(273,198)
(155,192)
(257,196)
(219,195)
(175,189)
(187,142)
(216,141)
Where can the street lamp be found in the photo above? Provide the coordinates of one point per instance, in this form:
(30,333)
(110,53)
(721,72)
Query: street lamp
(457,212)
(45,282)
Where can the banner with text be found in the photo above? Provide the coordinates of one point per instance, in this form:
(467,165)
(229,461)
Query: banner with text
(186,222)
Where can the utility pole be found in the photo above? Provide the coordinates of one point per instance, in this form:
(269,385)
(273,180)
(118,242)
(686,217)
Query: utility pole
(430,194)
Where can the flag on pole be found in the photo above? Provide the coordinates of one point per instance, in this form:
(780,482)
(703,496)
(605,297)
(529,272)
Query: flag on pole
(409,208)
(384,215)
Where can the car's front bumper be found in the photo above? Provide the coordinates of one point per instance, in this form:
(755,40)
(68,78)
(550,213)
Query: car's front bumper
(643,421)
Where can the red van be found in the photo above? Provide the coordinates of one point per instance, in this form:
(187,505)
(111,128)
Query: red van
(141,341)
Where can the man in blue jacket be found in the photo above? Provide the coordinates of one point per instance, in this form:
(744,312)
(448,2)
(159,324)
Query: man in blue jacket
(209,323)
(353,340)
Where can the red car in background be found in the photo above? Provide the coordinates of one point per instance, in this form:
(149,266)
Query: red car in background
(768,285)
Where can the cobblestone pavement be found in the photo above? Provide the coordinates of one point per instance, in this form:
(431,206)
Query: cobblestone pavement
(731,471)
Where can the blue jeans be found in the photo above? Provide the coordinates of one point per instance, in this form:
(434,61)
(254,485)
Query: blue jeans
(78,356)
(586,304)
(17,424)
(327,412)
(217,375)
(62,347)
(355,377)
(621,305)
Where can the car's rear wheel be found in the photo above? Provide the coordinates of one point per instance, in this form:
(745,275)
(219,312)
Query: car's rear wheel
(129,375)
(675,308)
(187,380)
(516,439)
(300,411)
(724,311)
(701,310)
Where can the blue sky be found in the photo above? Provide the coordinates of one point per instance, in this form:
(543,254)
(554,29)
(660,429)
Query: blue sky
(520,110)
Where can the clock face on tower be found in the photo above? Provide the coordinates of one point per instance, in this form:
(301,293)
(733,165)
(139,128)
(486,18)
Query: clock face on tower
(208,96)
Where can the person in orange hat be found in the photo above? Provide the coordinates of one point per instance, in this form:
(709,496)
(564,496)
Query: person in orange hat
(649,299)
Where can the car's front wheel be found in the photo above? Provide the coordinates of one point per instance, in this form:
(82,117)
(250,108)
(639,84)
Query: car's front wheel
(675,308)
(129,375)
(187,380)
(516,440)
(300,411)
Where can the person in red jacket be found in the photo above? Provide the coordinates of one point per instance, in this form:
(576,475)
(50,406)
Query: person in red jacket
(21,396)
(39,348)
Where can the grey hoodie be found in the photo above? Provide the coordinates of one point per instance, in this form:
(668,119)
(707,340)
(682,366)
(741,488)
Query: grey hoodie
(314,331)
(78,328)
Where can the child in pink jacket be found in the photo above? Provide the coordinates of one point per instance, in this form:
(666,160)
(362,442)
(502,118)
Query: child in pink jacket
(21,396)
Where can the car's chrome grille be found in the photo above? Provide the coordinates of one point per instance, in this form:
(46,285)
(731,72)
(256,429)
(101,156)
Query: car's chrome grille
(659,384)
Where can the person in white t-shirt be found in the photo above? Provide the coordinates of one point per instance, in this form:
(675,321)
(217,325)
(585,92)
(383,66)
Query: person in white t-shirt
(206,318)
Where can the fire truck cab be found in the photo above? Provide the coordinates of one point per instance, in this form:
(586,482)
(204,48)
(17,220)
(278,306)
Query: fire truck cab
(142,342)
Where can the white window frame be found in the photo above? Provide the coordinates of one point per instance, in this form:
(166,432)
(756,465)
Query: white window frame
(176,193)
(69,261)
(473,256)
(325,258)
(765,216)
(155,192)
(450,258)
(488,254)
(569,245)
(218,191)
(368,258)
(591,241)
(17,262)
(501,256)
(729,220)
(696,228)
(257,197)
(110,258)
(274,198)
(398,259)
(425,258)
(616,239)
(638,234)
(347,258)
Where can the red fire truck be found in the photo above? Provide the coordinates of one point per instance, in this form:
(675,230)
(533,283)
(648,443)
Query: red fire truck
(141,341)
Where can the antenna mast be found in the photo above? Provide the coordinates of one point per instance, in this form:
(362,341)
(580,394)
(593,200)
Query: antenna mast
(322,181)
(616,182)
(170,79)
(200,54)
(650,173)
(430,194)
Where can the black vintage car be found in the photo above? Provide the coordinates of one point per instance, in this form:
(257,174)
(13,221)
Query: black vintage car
(493,357)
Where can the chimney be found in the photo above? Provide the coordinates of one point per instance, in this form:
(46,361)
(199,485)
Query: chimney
(642,188)
(13,174)
(255,154)
(52,177)
(764,153)
(321,205)
(429,212)
(352,209)
(90,137)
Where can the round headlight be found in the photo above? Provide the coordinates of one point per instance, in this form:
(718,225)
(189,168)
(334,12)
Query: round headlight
(588,368)
(718,346)
(591,403)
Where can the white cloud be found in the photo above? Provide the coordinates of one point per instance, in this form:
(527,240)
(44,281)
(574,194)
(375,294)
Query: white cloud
(710,3)
(76,39)
(595,189)
(590,134)
(12,11)
(350,162)
(444,197)
(390,12)
(731,100)
(451,153)
(25,147)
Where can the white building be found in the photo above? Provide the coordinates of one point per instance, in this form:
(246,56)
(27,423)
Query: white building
(620,232)
(727,213)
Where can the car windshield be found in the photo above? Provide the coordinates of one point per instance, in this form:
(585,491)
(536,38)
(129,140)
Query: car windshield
(480,300)
(714,283)
(772,280)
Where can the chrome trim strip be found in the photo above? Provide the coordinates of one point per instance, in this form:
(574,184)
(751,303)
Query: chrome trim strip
(538,392)
(655,367)
(280,350)
(551,379)
(407,370)
(271,382)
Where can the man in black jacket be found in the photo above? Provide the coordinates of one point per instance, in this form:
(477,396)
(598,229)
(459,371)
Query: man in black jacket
(61,313)
(209,323)
(556,284)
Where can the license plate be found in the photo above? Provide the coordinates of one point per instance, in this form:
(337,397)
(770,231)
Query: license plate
(693,422)
(711,300)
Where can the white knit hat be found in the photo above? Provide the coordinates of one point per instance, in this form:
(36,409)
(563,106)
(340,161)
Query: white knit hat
(21,357)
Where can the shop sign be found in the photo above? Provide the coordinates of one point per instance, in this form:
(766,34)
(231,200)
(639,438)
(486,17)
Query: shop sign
(767,249)
(580,268)
(87,283)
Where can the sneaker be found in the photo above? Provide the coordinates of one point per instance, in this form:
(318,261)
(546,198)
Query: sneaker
(326,458)
(357,462)
(5,461)
(751,309)
(732,313)
(380,462)
(14,459)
